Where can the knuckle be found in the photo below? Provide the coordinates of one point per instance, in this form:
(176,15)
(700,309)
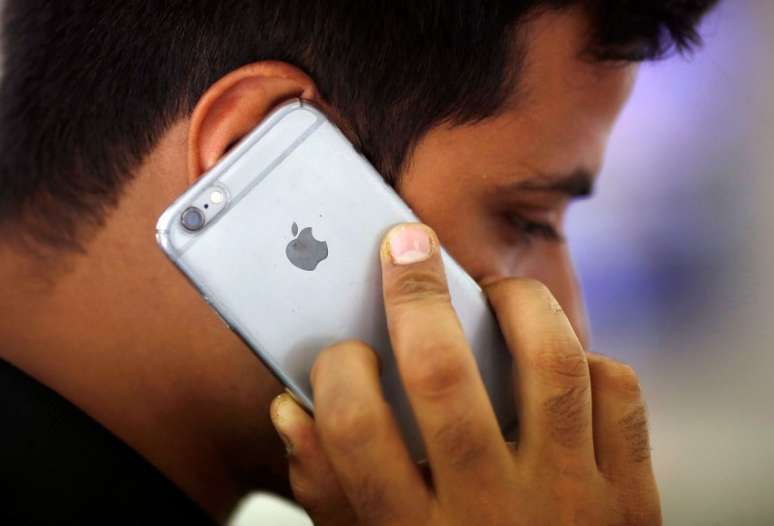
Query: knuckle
(348,423)
(626,379)
(532,286)
(634,426)
(461,443)
(618,376)
(522,291)
(531,289)
(341,355)
(568,416)
(413,285)
(563,359)
(434,370)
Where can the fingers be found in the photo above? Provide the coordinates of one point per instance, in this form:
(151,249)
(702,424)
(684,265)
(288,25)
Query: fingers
(620,422)
(552,377)
(361,438)
(464,445)
(312,478)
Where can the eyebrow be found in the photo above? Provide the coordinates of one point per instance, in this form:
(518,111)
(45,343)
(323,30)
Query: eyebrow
(579,183)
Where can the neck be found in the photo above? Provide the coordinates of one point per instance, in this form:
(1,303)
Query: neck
(171,382)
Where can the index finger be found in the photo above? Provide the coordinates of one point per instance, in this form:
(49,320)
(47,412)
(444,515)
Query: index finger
(464,445)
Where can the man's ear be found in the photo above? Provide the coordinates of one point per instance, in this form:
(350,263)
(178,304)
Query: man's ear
(236,104)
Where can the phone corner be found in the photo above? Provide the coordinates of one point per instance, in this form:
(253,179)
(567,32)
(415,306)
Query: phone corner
(163,231)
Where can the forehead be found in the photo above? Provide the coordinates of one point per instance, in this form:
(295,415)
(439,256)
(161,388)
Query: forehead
(564,101)
(557,120)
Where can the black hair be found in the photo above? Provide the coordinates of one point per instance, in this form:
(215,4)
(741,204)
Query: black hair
(89,86)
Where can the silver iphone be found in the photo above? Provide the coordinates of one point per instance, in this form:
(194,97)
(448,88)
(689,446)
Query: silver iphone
(282,239)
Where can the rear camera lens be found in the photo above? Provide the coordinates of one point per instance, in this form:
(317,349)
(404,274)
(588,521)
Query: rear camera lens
(192,219)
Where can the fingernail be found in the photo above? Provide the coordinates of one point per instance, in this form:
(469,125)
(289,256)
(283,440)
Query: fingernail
(409,244)
(280,416)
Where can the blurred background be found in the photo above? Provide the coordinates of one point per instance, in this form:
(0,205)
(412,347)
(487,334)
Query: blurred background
(676,254)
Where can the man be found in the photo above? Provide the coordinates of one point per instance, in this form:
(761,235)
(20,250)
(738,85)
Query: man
(124,394)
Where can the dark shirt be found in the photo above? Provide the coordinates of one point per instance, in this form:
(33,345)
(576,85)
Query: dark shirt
(59,466)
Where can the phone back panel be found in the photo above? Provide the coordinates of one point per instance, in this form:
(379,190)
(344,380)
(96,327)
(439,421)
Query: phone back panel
(297,168)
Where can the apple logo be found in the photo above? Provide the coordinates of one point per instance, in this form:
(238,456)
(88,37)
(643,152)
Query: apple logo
(305,251)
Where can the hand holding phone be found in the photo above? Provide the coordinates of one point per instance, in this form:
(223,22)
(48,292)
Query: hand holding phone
(281,238)
(582,454)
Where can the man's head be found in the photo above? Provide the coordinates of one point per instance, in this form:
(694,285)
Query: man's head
(486,117)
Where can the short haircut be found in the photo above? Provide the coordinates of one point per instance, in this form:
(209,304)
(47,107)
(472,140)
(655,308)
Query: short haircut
(90,86)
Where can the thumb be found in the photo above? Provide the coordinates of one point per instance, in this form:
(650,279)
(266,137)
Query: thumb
(312,479)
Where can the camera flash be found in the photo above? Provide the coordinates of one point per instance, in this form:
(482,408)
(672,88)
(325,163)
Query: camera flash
(217,197)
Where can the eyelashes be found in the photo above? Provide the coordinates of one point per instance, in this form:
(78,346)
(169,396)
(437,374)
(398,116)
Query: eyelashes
(531,230)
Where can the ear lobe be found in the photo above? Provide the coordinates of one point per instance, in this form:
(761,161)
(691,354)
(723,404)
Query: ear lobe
(236,104)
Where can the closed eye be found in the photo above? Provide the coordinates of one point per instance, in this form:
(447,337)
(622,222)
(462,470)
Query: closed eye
(530,230)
